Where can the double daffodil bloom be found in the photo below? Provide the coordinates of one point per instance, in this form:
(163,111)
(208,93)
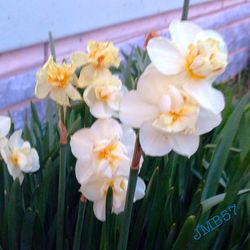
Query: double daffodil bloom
(99,58)
(197,56)
(104,150)
(19,156)
(96,190)
(103,96)
(5,124)
(104,154)
(168,117)
(56,80)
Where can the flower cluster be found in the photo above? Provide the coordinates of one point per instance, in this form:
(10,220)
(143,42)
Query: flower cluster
(173,105)
(18,155)
(104,154)
(102,89)
(174,101)
(104,151)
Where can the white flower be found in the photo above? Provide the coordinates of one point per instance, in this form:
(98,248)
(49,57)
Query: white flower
(104,150)
(103,96)
(5,124)
(197,56)
(56,81)
(96,190)
(19,156)
(168,117)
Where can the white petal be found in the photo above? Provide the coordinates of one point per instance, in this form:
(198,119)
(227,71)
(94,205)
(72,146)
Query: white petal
(17,173)
(3,142)
(89,95)
(183,33)
(92,190)
(88,75)
(35,160)
(16,140)
(152,84)
(101,110)
(60,97)
(153,141)
(165,56)
(42,88)
(106,129)
(81,144)
(185,145)
(140,189)
(72,93)
(83,171)
(134,110)
(5,124)
(99,209)
(207,121)
(206,34)
(22,161)
(128,138)
(78,58)
(207,96)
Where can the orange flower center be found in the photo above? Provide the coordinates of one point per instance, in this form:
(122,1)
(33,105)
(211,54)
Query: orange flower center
(59,76)
(14,160)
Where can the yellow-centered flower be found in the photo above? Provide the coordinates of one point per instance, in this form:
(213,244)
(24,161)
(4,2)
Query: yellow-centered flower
(103,96)
(104,154)
(99,58)
(168,117)
(105,149)
(196,57)
(56,80)
(19,156)
(96,190)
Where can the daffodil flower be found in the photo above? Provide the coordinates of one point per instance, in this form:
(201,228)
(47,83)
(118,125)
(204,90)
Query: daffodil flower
(19,156)
(99,58)
(56,81)
(96,190)
(5,124)
(168,117)
(104,150)
(197,56)
(103,96)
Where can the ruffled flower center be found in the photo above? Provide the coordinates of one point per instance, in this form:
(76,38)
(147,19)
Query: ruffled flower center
(112,153)
(18,158)
(107,92)
(180,115)
(60,75)
(204,59)
(103,54)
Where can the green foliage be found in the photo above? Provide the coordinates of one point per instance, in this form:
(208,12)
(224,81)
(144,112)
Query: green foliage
(181,192)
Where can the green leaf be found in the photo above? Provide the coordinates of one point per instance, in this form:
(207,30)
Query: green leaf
(52,46)
(61,197)
(185,236)
(15,215)
(144,212)
(126,216)
(27,229)
(79,224)
(213,201)
(220,155)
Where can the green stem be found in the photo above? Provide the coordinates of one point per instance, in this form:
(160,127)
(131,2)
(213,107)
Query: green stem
(52,46)
(61,197)
(79,223)
(1,193)
(124,233)
(185,10)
